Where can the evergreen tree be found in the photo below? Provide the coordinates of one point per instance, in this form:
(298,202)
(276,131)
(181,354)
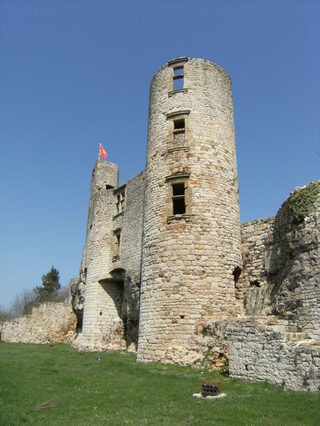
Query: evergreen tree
(50,285)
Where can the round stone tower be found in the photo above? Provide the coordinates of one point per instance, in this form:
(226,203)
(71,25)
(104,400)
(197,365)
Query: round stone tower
(191,243)
(100,316)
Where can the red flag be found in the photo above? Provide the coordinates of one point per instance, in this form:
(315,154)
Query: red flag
(102,152)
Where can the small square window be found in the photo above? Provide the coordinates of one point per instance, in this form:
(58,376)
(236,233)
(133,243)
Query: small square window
(178,189)
(178,71)
(179,124)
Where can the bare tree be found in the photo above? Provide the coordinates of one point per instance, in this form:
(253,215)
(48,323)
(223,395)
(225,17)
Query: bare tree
(5,314)
(23,303)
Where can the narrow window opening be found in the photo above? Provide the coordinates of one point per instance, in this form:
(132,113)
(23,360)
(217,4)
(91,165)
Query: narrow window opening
(236,274)
(120,202)
(178,198)
(118,243)
(238,287)
(116,248)
(255,283)
(178,78)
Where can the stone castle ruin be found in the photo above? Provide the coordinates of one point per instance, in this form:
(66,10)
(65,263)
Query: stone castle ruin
(162,249)
(168,271)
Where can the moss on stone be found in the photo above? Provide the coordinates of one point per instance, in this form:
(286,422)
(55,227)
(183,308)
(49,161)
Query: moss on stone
(302,201)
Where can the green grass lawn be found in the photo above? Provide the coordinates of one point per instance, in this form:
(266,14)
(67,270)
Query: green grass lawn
(78,390)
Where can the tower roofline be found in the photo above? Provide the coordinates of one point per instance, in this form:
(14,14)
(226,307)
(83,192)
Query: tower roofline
(184,59)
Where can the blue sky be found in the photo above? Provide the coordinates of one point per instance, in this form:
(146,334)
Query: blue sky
(76,72)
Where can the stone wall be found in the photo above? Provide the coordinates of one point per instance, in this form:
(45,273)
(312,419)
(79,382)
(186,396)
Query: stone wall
(252,284)
(293,265)
(281,267)
(48,323)
(279,285)
(129,259)
(265,349)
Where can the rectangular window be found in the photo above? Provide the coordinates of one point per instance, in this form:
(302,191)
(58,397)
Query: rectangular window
(178,198)
(120,199)
(178,78)
(178,130)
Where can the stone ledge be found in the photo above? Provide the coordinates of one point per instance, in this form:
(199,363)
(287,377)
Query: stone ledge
(178,148)
(177,113)
(173,92)
(178,60)
(179,217)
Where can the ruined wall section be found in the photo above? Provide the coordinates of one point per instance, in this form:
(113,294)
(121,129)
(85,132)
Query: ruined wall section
(252,285)
(49,323)
(260,351)
(293,261)
(188,260)
(281,266)
(99,309)
(279,341)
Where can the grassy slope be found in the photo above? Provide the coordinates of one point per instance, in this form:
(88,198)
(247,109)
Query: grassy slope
(119,391)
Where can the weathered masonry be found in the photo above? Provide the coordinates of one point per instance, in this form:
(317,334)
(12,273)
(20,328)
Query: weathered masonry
(159,231)
(168,271)
(191,243)
(110,267)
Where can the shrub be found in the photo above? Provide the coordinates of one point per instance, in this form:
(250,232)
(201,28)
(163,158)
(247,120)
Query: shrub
(302,201)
